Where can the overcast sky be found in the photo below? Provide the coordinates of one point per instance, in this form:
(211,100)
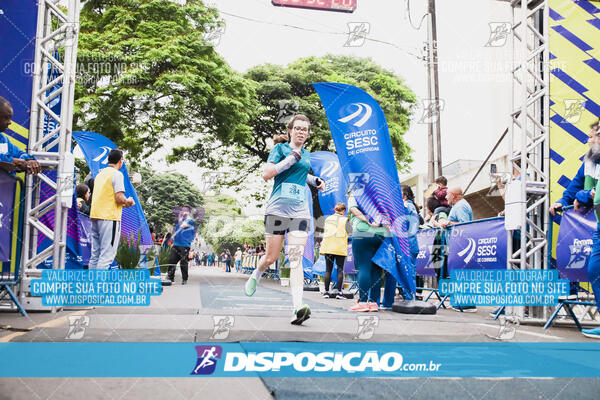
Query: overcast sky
(474,78)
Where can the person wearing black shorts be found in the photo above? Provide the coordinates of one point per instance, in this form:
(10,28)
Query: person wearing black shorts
(287,210)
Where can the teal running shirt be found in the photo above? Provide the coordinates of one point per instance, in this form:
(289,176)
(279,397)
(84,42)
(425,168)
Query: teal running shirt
(288,198)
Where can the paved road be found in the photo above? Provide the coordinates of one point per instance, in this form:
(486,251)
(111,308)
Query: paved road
(188,314)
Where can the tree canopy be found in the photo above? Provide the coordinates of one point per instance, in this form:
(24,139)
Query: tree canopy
(147,74)
(225,227)
(161,194)
(291,85)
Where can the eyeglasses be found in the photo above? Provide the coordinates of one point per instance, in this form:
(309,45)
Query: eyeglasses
(300,129)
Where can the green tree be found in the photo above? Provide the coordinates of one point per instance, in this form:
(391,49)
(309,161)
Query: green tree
(146,74)
(221,205)
(225,226)
(161,194)
(82,169)
(275,83)
(229,235)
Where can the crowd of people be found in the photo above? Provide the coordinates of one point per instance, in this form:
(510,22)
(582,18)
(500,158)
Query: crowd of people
(197,257)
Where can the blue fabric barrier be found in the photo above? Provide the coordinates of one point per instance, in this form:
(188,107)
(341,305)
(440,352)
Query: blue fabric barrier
(574,244)
(10,268)
(7,201)
(480,244)
(429,257)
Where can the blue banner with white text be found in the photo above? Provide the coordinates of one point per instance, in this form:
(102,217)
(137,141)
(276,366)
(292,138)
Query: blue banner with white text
(477,245)
(293,359)
(429,257)
(326,166)
(574,244)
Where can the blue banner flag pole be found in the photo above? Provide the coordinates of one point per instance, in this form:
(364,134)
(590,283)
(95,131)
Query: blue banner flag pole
(364,148)
(95,147)
(326,165)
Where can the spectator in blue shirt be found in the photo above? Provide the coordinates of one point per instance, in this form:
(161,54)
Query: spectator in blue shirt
(460,212)
(182,241)
(461,209)
(9,153)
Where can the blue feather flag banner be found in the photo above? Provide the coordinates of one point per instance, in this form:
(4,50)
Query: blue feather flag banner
(364,148)
(326,166)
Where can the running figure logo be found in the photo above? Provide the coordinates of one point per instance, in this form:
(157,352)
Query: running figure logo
(360,116)
(103,157)
(366,326)
(223,324)
(357,183)
(579,254)
(431,110)
(295,255)
(357,33)
(434,254)
(573,110)
(470,249)
(213,32)
(207,359)
(287,109)
(209,181)
(77,326)
(508,327)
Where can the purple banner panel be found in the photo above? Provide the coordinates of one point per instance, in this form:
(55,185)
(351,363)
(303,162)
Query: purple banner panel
(574,245)
(85,237)
(349,264)
(7,199)
(326,166)
(477,245)
(428,257)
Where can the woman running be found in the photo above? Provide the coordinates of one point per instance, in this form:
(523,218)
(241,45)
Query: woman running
(287,209)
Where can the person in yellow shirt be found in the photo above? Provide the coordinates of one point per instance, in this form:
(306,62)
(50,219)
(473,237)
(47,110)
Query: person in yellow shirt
(108,200)
(335,248)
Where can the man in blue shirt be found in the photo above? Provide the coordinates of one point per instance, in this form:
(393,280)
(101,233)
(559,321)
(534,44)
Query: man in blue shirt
(182,241)
(460,212)
(9,153)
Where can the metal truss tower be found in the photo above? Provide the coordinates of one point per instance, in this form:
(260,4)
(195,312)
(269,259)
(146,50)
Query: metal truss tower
(57,33)
(529,138)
